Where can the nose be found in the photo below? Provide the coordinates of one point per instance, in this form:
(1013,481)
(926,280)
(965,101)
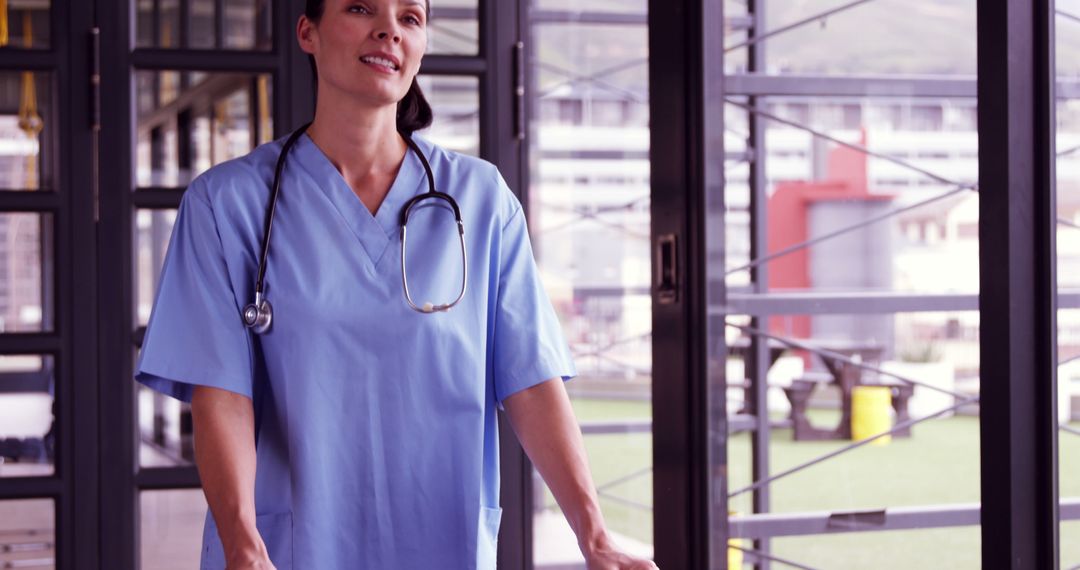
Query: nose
(387,30)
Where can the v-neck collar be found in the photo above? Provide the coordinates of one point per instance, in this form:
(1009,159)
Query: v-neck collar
(373,232)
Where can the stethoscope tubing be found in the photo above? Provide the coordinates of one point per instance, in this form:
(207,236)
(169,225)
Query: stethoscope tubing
(259,315)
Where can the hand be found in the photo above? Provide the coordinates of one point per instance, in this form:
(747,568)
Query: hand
(606,556)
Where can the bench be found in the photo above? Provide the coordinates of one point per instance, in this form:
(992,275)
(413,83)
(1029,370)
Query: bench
(798,395)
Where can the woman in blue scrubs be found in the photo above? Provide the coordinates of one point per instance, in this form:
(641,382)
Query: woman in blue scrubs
(375,424)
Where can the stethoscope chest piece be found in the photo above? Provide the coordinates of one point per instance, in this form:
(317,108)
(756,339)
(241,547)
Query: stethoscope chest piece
(259,315)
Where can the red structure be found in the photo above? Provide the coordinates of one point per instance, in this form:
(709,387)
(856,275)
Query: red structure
(788,224)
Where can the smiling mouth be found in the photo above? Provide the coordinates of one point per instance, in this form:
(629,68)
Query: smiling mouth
(379,61)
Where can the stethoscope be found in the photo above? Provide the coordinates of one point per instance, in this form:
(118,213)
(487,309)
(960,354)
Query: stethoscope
(258,315)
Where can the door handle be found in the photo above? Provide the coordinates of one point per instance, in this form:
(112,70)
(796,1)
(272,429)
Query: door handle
(667,269)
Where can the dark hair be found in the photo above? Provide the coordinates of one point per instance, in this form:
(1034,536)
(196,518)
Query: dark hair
(413,111)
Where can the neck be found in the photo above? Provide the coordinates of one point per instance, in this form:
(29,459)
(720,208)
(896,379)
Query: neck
(360,140)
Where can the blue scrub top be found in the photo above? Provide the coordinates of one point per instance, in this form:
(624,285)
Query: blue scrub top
(377,440)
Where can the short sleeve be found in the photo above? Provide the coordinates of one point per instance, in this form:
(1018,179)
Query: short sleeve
(529,346)
(195,335)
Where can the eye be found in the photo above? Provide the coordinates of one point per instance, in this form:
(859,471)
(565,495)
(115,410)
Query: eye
(412,20)
(358,9)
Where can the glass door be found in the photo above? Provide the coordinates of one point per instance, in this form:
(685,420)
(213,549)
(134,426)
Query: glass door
(48,414)
(849,254)
(588,205)
(1067,130)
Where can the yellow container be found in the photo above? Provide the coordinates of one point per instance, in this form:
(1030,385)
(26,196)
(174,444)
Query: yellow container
(871,409)
(734,555)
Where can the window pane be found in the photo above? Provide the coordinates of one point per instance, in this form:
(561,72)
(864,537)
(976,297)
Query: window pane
(886,30)
(28,533)
(453,27)
(953,548)
(28,425)
(858,168)
(589,219)
(455,102)
(1067,39)
(26,270)
(27,130)
(27,24)
(153,229)
(240,25)
(190,121)
(170,528)
(851,257)
(164,429)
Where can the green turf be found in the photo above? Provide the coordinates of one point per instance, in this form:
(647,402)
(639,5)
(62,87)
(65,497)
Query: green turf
(938,465)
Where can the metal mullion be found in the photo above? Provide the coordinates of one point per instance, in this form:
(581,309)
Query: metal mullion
(588,17)
(202,60)
(30,343)
(157,198)
(160,478)
(184,17)
(453,13)
(814,303)
(219,24)
(760,358)
(119,523)
(714,418)
(14,59)
(815,85)
(294,90)
(43,201)
(32,488)
(1017,256)
(440,64)
(501,25)
(677,103)
(891,519)
(155,23)
(70,289)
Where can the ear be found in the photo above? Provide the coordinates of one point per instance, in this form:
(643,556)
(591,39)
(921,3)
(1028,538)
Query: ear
(306,34)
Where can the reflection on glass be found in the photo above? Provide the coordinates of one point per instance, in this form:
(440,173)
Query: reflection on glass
(589,218)
(856,166)
(27,533)
(851,229)
(621,465)
(27,126)
(170,528)
(27,416)
(239,25)
(25,24)
(1067,46)
(453,27)
(165,430)
(26,266)
(944,31)
(190,121)
(455,102)
(954,548)
(153,228)
(927,363)
(814,407)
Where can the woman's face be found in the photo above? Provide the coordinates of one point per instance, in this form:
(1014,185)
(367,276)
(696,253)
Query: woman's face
(370,49)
